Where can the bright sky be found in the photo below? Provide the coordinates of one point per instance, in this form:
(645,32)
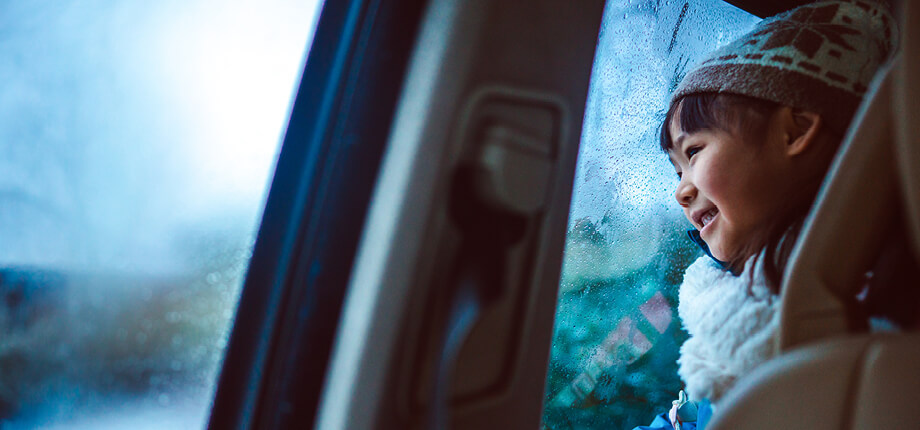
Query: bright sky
(136,136)
(230,67)
(127,125)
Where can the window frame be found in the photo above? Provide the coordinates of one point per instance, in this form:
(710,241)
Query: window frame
(289,306)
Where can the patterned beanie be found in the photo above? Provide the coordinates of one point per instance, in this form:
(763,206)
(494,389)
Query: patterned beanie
(818,57)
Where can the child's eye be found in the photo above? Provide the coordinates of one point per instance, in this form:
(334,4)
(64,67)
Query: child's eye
(691,151)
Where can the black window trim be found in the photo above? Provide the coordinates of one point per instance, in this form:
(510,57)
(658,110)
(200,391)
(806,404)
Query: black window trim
(273,371)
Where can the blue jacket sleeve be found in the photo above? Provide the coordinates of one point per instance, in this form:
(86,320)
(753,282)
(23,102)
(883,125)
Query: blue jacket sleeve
(661,421)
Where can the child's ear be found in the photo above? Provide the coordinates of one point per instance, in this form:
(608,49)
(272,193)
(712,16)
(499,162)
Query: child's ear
(802,129)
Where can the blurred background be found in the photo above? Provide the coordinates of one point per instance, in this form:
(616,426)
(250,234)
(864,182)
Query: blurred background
(137,140)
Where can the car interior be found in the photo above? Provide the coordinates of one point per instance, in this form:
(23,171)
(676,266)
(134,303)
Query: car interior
(424,257)
(380,377)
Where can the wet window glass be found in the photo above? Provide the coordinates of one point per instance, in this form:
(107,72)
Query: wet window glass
(617,333)
(137,139)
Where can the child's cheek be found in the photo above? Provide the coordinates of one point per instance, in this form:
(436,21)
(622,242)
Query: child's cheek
(712,180)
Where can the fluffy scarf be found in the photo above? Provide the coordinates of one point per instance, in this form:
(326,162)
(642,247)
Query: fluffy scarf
(732,323)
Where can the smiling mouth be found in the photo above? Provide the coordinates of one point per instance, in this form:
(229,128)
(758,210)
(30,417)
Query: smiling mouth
(707,217)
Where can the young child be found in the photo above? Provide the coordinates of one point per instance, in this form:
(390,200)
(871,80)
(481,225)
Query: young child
(751,132)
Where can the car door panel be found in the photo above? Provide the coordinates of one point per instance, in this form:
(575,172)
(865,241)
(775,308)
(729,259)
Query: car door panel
(479,164)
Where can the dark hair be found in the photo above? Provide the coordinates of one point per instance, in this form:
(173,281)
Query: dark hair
(748,118)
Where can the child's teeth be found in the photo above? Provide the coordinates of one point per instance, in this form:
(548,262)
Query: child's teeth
(707,218)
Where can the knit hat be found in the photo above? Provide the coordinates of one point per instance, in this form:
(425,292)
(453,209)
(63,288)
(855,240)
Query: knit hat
(819,57)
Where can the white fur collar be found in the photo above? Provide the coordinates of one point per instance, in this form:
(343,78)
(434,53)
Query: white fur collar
(732,324)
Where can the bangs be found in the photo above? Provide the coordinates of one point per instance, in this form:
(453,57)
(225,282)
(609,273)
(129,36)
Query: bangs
(716,111)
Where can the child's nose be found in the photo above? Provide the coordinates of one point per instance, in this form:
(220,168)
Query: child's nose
(685,192)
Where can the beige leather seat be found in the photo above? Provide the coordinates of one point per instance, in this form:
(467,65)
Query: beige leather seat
(866,382)
(829,378)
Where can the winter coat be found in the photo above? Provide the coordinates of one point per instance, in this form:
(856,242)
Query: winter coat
(733,325)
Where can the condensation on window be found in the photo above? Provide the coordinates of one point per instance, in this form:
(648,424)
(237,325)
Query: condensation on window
(617,333)
(136,143)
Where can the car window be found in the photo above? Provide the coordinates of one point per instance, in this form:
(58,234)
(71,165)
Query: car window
(136,143)
(617,333)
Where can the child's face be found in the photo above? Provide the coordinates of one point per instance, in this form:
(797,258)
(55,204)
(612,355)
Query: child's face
(729,189)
